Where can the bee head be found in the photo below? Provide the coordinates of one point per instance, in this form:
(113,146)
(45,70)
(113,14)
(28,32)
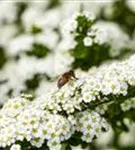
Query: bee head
(72,74)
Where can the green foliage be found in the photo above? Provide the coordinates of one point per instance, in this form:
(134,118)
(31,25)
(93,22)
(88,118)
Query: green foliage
(75,140)
(66,146)
(85,57)
(25,145)
(84,25)
(38,50)
(3,57)
(21,6)
(53,3)
(35,29)
(33,83)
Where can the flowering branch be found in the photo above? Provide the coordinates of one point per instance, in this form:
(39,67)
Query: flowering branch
(92,39)
(64,114)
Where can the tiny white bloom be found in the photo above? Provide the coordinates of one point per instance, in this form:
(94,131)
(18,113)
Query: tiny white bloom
(15,147)
(87,41)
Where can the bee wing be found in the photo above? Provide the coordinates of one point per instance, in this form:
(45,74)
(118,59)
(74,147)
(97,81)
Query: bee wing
(61,82)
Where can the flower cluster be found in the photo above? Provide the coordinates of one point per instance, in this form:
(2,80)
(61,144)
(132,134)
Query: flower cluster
(89,39)
(115,10)
(40,41)
(32,47)
(90,124)
(101,109)
(108,80)
(70,26)
(54,118)
(22,120)
(15,147)
(96,33)
(26,68)
(111,33)
(128,104)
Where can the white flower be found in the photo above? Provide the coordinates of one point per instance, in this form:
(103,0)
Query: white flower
(87,41)
(89,15)
(90,124)
(8,17)
(69,26)
(15,147)
(111,33)
(131,4)
(128,104)
(102,108)
(101,36)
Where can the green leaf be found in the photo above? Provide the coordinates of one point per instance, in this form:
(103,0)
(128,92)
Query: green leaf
(38,50)
(66,146)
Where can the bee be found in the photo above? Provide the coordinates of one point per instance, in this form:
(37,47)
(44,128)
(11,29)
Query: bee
(65,78)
